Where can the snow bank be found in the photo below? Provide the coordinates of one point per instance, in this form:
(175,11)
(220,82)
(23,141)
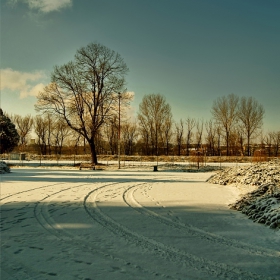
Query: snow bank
(256,174)
(262,204)
(4,168)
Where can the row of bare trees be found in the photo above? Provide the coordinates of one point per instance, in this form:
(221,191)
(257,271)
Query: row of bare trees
(242,116)
(236,122)
(86,93)
(50,132)
(53,134)
(87,98)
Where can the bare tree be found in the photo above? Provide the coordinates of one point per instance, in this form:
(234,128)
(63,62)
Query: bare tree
(219,136)
(225,113)
(59,132)
(111,134)
(276,142)
(129,135)
(153,111)
(167,133)
(250,114)
(210,137)
(41,129)
(145,135)
(268,140)
(234,142)
(199,132)
(24,128)
(85,92)
(190,122)
(240,141)
(179,130)
(75,140)
(49,120)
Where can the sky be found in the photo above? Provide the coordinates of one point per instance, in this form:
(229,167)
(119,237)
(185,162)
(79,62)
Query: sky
(190,51)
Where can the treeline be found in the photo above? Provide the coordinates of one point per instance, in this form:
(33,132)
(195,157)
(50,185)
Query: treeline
(235,129)
(85,106)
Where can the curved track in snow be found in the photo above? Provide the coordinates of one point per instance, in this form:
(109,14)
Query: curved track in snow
(113,226)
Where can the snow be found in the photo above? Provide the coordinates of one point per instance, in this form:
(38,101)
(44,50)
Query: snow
(260,185)
(4,168)
(129,224)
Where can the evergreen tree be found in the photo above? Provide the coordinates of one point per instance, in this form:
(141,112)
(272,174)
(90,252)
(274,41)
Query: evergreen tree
(8,134)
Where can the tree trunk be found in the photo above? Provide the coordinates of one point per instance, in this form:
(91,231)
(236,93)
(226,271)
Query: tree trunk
(248,146)
(179,149)
(187,149)
(227,140)
(167,148)
(93,152)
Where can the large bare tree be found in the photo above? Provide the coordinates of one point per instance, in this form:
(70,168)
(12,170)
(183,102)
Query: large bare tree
(85,91)
(153,111)
(225,113)
(250,115)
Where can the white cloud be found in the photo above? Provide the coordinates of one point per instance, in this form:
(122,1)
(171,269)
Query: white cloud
(22,82)
(45,6)
(33,91)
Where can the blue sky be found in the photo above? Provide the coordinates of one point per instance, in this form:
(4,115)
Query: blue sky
(190,51)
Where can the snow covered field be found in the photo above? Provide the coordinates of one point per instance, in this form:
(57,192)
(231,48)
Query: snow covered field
(70,224)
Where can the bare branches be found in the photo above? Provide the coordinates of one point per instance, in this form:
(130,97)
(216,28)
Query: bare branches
(225,113)
(250,115)
(83,91)
(234,114)
(153,111)
(24,126)
(129,136)
(190,122)
(179,130)
(199,132)
(210,136)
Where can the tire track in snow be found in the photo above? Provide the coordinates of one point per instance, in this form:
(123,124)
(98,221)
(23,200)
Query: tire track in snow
(219,270)
(43,217)
(129,198)
(22,270)
(29,190)
(17,199)
(45,220)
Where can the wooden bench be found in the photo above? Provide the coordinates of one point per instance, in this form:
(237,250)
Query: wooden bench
(87,165)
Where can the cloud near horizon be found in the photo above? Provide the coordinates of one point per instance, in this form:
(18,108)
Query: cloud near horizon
(45,6)
(22,82)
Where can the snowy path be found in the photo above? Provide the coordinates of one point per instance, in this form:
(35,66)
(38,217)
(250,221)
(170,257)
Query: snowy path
(128,225)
